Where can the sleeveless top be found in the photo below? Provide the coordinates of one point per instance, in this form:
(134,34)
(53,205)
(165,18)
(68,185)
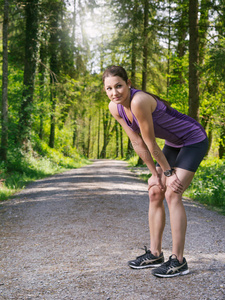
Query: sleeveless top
(175,128)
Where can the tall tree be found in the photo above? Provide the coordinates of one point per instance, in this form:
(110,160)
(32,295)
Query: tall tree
(31,54)
(145,45)
(206,5)
(4,137)
(180,34)
(218,56)
(134,44)
(42,69)
(107,131)
(193,60)
(54,66)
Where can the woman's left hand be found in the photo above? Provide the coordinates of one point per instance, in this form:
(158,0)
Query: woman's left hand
(175,184)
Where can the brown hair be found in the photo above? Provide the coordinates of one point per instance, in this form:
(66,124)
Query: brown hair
(115,71)
(120,71)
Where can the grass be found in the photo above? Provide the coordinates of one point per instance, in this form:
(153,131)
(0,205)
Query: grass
(42,161)
(208,185)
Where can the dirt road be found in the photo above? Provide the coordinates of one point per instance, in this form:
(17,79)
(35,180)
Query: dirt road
(70,236)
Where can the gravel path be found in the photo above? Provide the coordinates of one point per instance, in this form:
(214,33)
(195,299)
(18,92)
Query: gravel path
(70,236)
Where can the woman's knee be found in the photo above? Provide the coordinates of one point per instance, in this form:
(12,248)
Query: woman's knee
(156,194)
(172,197)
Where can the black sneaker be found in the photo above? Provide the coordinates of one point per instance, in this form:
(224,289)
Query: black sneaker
(147,260)
(172,268)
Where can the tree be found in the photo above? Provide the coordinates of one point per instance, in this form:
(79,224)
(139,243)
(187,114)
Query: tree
(215,66)
(4,137)
(31,54)
(193,60)
(203,28)
(54,66)
(107,131)
(145,45)
(180,34)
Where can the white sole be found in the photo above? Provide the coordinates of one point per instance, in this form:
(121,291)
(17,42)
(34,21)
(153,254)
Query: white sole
(144,267)
(172,275)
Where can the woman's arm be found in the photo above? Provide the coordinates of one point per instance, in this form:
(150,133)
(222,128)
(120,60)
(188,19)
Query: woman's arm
(143,106)
(138,144)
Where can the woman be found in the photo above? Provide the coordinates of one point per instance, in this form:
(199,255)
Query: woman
(144,117)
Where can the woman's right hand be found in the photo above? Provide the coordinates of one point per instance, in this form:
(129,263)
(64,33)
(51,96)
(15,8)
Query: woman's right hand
(175,184)
(155,180)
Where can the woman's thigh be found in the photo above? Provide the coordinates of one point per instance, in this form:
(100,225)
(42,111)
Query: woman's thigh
(185,177)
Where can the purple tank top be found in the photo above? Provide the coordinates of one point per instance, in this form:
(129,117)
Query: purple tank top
(175,128)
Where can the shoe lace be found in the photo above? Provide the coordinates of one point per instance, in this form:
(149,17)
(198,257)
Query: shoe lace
(145,255)
(146,249)
(169,262)
(171,259)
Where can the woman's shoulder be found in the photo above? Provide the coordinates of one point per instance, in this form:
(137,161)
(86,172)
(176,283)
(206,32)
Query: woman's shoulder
(113,109)
(142,99)
(112,106)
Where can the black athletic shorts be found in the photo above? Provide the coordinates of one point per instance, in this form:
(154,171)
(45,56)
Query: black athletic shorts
(187,157)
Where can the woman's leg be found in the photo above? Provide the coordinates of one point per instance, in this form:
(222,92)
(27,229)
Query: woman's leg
(156,218)
(178,219)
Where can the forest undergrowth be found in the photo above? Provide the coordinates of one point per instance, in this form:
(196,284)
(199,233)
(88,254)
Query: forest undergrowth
(42,161)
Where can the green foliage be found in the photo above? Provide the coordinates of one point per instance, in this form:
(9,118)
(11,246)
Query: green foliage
(216,59)
(208,185)
(22,168)
(68,157)
(178,97)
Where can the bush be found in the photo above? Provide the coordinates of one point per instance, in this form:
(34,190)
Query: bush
(24,167)
(208,184)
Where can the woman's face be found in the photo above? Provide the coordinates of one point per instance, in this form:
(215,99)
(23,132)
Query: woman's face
(117,89)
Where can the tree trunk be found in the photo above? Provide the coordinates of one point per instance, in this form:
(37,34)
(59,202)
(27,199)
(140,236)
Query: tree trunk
(89,136)
(106,127)
(133,64)
(52,119)
(99,124)
(145,51)
(222,143)
(182,32)
(74,33)
(42,84)
(145,47)
(121,141)
(54,70)
(134,47)
(169,53)
(4,137)
(74,128)
(203,26)
(193,60)
(117,140)
(130,149)
(31,50)
(107,133)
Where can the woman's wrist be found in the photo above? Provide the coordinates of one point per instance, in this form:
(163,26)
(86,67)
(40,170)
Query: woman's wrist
(155,174)
(169,172)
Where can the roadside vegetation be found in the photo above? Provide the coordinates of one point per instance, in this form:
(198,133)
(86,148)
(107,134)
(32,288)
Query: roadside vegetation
(24,167)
